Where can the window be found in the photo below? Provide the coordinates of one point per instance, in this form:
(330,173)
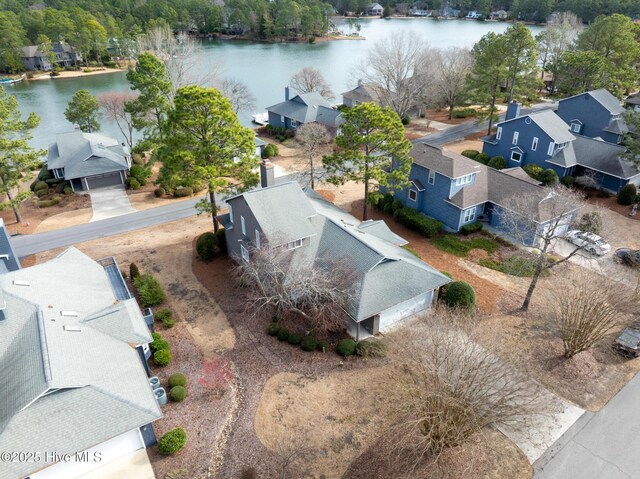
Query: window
(534,145)
(257,239)
(244,252)
(230,214)
(575,127)
(470,214)
(552,146)
(413,195)
(282,119)
(499,133)
(515,138)
(293,244)
(516,156)
(244,229)
(463,180)
(432,177)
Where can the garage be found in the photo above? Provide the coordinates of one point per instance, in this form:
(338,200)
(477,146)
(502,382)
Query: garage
(100,181)
(390,316)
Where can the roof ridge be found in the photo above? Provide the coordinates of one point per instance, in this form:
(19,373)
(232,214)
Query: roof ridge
(122,400)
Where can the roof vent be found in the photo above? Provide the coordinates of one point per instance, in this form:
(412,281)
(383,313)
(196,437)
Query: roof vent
(72,328)
(18,282)
(4,256)
(73,314)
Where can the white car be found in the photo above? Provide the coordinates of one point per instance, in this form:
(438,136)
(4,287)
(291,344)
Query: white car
(589,242)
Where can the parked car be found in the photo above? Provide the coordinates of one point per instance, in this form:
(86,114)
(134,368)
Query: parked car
(629,257)
(628,343)
(589,241)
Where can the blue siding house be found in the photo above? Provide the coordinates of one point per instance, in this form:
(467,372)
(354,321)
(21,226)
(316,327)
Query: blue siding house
(457,190)
(304,108)
(596,114)
(544,139)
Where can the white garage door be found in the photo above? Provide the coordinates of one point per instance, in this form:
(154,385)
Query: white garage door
(400,311)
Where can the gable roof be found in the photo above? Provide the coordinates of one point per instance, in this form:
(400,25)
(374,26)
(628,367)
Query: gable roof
(85,154)
(447,163)
(304,108)
(602,96)
(604,157)
(361,93)
(60,369)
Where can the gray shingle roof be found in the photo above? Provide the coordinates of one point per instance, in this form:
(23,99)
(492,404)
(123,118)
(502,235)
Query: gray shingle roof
(607,100)
(86,154)
(552,125)
(68,382)
(361,94)
(617,126)
(518,172)
(303,108)
(447,163)
(604,157)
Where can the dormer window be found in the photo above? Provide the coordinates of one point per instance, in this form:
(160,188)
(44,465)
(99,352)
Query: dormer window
(616,117)
(563,145)
(576,127)
(463,180)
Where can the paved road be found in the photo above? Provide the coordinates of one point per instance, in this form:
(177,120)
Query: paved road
(458,132)
(604,445)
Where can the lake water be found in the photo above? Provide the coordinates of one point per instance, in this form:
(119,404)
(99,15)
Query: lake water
(264,67)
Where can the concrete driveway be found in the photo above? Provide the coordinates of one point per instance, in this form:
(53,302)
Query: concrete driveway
(109,202)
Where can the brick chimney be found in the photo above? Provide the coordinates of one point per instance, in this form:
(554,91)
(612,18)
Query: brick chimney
(267,175)
(513,110)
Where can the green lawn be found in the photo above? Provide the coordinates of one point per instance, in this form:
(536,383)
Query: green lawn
(457,246)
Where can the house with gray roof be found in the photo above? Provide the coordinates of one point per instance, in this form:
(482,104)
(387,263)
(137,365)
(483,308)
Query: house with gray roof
(545,139)
(88,160)
(387,282)
(304,108)
(73,377)
(457,190)
(34,59)
(362,93)
(375,9)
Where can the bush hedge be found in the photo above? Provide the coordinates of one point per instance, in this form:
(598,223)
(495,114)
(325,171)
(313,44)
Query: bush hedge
(372,348)
(283,334)
(134,272)
(40,185)
(159,192)
(158,343)
(548,177)
(177,379)
(172,441)
(183,192)
(308,343)
(627,194)
(140,173)
(270,151)
(534,171)
(471,228)
(470,154)
(178,393)
(346,347)
(413,219)
(48,203)
(67,190)
(295,339)
(483,158)
(137,159)
(207,246)
(497,162)
(273,329)
(567,181)
(149,289)
(165,316)
(460,294)
(44,173)
(132,183)
(42,193)
(162,357)
(322,346)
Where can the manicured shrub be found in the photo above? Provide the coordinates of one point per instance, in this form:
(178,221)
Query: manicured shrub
(283,334)
(309,343)
(159,192)
(388,208)
(178,393)
(346,347)
(67,190)
(471,228)
(406,120)
(270,151)
(534,171)
(149,289)
(295,339)
(371,348)
(54,181)
(396,205)
(162,357)
(567,181)
(158,344)
(134,272)
(548,177)
(416,221)
(483,158)
(48,203)
(322,346)
(497,162)
(44,173)
(132,183)
(40,185)
(627,194)
(442,292)
(42,193)
(177,379)
(140,173)
(137,159)
(273,329)
(207,246)
(165,316)
(460,294)
(183,192)
(59,188)
(172,441)
(470,154)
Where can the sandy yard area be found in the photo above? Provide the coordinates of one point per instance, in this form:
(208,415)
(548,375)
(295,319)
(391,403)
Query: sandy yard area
(76,74)
(460,146)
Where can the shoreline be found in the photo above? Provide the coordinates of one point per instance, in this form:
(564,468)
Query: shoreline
(76,74)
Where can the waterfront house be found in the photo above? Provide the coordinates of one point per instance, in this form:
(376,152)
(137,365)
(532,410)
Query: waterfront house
(73,345)
(374,10)
(544,139)
(362,93)
(474,15)
(387,282)
(457,190)
(499,15)
(88,160)
(34,59)
(304,108)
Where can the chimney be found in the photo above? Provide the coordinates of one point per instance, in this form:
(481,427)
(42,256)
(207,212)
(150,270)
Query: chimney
(286,93)
(360,82)
(513,110)
(267,175)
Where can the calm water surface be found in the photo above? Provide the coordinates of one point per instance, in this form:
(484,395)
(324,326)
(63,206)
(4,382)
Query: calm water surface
(265,68)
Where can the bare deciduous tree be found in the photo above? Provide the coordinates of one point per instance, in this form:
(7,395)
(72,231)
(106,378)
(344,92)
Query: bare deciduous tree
(541,217)
(284,288)
(393,70)
(113,105)
(182,56)
(310,79)
(451,387)
(448,72)
(586,309)
(238,94)
(312,136)
(556,39)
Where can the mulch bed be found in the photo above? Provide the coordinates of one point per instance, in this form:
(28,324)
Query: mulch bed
(610,202)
